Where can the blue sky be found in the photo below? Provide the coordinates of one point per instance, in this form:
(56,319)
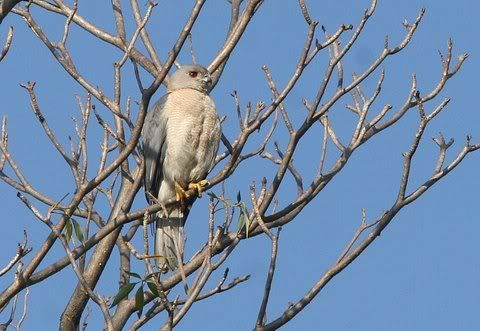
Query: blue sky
(421,274)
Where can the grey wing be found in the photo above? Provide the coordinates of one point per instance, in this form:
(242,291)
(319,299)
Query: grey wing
(154,148)
(216,137)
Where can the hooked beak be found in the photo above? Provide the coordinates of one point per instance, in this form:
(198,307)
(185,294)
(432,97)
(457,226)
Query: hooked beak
(207,79)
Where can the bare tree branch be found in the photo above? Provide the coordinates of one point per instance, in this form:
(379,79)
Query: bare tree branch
(118,168)
(8,43)
(268,284)
(303,8)
(22,250)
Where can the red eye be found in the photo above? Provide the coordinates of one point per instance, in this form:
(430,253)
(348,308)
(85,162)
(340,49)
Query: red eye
(193,74)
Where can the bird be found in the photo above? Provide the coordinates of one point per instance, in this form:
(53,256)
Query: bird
(180,140)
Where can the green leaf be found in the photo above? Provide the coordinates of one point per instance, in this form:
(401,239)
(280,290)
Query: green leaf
(122,293)
(153,288)
(241,221)
(139,302)
(78,230)
(239,197)
(133,274)
(68,230)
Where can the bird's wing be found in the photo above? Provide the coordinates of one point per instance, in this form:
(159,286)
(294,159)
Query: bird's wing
(215,137)
(154,135)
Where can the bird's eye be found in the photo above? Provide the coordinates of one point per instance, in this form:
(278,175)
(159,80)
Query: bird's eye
(193,74)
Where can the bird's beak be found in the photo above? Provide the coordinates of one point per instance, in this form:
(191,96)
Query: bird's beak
(207,79)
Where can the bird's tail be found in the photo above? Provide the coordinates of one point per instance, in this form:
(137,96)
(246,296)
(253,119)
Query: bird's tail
(169,239)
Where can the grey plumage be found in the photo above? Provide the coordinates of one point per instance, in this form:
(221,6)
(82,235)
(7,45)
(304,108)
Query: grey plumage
(180,137)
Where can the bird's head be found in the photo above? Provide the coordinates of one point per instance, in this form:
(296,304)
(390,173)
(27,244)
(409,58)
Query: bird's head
(191,76)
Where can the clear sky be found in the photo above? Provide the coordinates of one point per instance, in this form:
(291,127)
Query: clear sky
(421,274)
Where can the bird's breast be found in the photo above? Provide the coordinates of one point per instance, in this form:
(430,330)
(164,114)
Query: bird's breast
(191,118)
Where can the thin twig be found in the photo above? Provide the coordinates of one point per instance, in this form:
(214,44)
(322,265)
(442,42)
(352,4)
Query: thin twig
(139,28)
(303,8)
(268,283)
(95,297)
(363,226)
(192,53)
(8,43)
(443,146)
(22,250)
(68,21)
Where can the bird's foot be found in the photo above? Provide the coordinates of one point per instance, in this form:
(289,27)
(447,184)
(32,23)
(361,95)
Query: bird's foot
(162,265)
(199,186)
(181,195)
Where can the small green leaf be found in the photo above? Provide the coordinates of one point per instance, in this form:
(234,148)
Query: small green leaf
(139,301)
(241,221)
(153,288)
(122,293)
(239,196)
(68,230)
(133,274)
(78,230)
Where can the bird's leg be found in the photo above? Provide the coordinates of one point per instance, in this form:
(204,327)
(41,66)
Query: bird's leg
(198,186)
(164,266)
(181,195)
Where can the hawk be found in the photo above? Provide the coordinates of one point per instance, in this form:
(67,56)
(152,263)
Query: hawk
(180,138)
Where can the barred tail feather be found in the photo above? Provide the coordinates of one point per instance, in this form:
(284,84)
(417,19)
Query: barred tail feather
(170,240)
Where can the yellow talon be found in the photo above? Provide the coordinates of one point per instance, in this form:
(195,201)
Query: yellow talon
(163,266)
(199,186)
(180,195)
